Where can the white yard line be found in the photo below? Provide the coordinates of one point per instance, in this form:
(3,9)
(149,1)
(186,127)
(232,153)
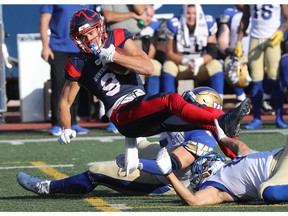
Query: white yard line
(100,139)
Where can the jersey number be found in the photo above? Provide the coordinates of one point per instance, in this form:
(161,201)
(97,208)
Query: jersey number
(264,11)
(110,84)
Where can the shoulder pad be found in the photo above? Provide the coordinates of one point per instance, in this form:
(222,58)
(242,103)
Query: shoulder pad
(211,24)
(172,24)
(227,15)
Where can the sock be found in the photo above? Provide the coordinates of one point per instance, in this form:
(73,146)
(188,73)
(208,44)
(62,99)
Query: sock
(152,85)
(217,82)
(284,70)
(168,82)
(78,184)
(278,97)
(257,94)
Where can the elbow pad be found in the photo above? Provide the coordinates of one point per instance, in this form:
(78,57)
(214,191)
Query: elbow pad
(212,50)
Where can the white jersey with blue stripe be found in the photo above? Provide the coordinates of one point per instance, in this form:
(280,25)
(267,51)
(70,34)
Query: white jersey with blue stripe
(242,177)
(266,19)
(176,32)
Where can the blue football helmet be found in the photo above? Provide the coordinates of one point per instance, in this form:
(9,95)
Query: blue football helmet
(204,167)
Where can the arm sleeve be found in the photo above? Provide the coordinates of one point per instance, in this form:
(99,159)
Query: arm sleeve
(150,166)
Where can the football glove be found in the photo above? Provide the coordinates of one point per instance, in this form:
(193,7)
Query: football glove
(219,131)
(106,55)
(238,49)
(65,136)
(276,38)
(163,161)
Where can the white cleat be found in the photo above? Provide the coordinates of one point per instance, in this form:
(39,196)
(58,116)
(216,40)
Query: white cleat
(33,184)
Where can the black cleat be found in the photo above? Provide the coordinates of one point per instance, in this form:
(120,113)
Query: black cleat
(230,122)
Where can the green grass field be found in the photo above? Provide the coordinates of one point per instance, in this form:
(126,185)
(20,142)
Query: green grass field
(38,154)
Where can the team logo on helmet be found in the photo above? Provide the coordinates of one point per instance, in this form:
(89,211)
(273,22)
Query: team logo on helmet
(236,73)
(208,96)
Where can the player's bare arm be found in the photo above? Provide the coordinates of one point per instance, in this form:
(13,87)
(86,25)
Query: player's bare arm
(133,58)
(44,26)
(284,26)
(207,196)
(68,95)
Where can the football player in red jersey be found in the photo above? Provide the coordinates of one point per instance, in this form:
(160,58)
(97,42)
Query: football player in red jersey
(134,113)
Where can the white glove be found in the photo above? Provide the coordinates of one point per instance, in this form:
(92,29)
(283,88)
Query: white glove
(65,136)
(163,161)
(198,62)
(106,55)
(219,131)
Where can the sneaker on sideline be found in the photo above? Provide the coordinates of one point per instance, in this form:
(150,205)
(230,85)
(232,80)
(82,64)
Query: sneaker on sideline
(79,130)
(55,130)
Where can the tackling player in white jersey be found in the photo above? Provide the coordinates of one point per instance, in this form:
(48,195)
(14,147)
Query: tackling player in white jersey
(261,176)
(184,147)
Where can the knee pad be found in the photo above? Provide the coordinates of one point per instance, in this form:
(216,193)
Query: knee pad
(171,68)
(157,67)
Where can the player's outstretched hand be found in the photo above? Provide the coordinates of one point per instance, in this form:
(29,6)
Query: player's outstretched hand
(66,136)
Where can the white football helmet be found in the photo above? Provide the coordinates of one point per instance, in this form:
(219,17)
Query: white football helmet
(236,73)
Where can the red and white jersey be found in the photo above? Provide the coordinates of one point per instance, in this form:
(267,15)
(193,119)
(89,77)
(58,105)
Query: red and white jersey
(266,19)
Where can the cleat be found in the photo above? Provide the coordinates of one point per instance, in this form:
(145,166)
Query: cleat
(230,122)
(55,130)
(266,108)
(35,185)
(79,130)
(255,124)
(280,123)
(111,128)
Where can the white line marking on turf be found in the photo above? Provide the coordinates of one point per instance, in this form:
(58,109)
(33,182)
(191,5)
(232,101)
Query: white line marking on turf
(100,139)
(112,138)
(32,167)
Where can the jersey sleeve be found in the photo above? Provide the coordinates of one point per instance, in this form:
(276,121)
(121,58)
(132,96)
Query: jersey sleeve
(227,15)
(120,36)
(172,27)
(72,70)
(46,9)
(211,25)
